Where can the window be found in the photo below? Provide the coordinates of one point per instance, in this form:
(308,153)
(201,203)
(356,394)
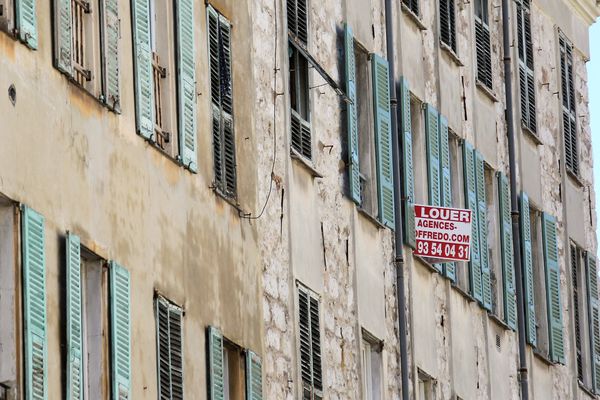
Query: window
(568,106)
(221,89)
(493,242)
(310,345)
(234,372)
(526,70)
(482,44)
(412,6)
(169,342)
(426,386)
(458,200)
(18,18)
(371,368)
(448,24)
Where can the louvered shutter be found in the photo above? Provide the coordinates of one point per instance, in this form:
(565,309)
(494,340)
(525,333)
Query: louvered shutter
(216,372)
(34,304)
(186,62)
(408,180)
(111,55)
(27,22)
(120,324)
(144,84)
(170,350)
(483,53)
(432,132)
(528,279)
(483,231)
(568,101)
(297,17)
(552,268)
(594,318)
(74,329)
(253,376)
(383,138)
(471,203)
(413,5)
(351,117)
(304,337)
(576,285)
(215,90)
(315,338)
(526,72)
(506,244)
(63,36)
(227,109)
(447,23)
(446,184)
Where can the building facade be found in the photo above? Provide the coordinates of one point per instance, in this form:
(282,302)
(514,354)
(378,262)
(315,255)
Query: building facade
(205,205)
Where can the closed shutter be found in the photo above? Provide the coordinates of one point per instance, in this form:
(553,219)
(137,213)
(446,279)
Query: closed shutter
(186,60)
(111,33)
(351,117)
(484,53)
(568,102)
(413,5)
(506,243)
(555,322)
(144,85)
(253,376)
(594,318)
(526,70)
(432,132)
(528,279)
(120,324)
(483,231)
(310,342)
(63,36)
(34,304)
(27,22)
(576,285)
(74,329)
(383,139)
(216,372)
(471,203)
(447,23)
(408,180)
(297,18)
(170,350)
(446,184)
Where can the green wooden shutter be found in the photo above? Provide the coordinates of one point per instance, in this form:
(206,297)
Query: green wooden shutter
(483,231)
(63,36)
(594,318)
(528,279)
(186,55)
(351,117)
(120,326)
(432,132)
(27,22)
(34,304)
(446,184)
(555,322)
(74,329)
(253,376)
(471,203)
(506,248)
(112,92)
(216,372)
(383,133)
(144,81)
(408,180)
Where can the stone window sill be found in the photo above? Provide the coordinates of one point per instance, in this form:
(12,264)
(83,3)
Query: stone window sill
(499,321)
(370,217)
(414,17)
(232,201)
(305,163)
(531,134)
(451,53)
(464,293)
(175,160)
(542,357)
(586,390)
(575,178)
(487,91)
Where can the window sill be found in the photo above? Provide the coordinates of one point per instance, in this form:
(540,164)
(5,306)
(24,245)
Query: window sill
(542,357)
(232,201)
(371,218)
(575,178)
(97,99)
(175,160)
(451,53)
(428,265)
(306,164)
(531,134)
(586,390)
(487,91)
(463,293)
(499,321)
(414,17)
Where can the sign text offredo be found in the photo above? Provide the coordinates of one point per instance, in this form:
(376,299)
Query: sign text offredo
(443,233)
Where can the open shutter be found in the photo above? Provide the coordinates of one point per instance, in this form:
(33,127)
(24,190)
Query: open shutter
(483,231)
(527,257)
(594,318)
(304,337)
(506,245)
(351,117)
(555,322)
(253,376)
(27,22)
(446,184)
(74,331)
(186,57)
(297,17)
(144,84)
(112,92)
(432,132)
(215,364)
(120,324)
(34,304)
(383,133)
(229,185)
(408,180)
(170,349)
(63,36)
(471,203)
(315,338)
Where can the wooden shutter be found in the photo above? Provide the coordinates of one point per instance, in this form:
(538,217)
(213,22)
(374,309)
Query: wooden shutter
(315,338)
(297,18)
(446,184)
(34,304)
(253,376)
(528,278)
(310,341)
(383,138)
(576,285)
(471,203)
(186,62)
(227,108)
(447,23)
(120,324)
(483,231)
(74,329)
(216,373)
(170,349)
(352,116)
(483,53)
(594,318)
(412,5)
(552,268)
(568,102)
(144,85)
(63,36)
(506,245)
(27,22)
(432,132)
(111,55)
(526,70)
(408,181)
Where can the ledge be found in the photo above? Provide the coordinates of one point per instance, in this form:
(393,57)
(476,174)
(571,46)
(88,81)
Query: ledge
(463,293)
(532,135)
(414,17)
(230,200)
(499,321)
(586,389)
(575,178)
(542,357)
(370,218)
(304,163)
(487,91)
(451,54)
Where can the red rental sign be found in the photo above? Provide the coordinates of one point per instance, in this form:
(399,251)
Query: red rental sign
(443,233)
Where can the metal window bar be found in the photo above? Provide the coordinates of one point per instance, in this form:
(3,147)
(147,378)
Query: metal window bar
(159,73)
(78,10)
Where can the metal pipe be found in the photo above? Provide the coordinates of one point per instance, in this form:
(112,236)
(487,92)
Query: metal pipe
(510,128)
(398,256)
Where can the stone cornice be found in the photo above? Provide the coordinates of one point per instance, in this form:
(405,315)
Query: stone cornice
(589,10)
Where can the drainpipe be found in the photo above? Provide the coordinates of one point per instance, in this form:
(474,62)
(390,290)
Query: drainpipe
(398,256)
(523,379)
